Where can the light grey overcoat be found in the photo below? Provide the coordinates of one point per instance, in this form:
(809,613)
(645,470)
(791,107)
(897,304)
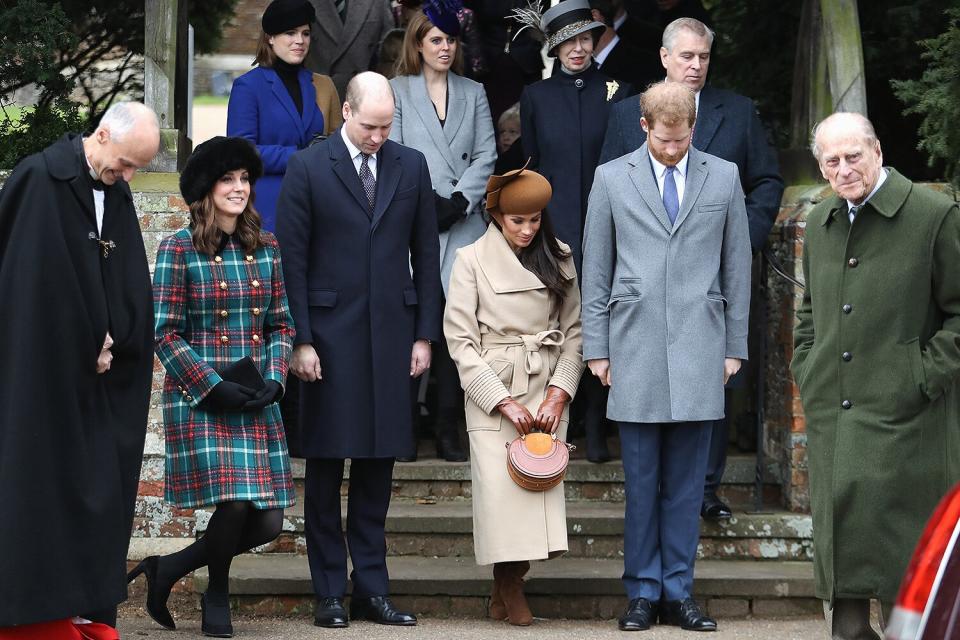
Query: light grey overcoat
(460,154)
(343,48)
(665,303)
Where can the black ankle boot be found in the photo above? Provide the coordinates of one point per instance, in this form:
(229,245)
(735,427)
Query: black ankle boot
(215,615)
(157,594)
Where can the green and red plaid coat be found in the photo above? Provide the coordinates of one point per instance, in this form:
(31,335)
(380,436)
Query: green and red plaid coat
(210,312)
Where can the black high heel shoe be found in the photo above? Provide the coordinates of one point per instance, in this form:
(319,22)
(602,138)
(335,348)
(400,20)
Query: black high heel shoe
(215,615)
(156,601)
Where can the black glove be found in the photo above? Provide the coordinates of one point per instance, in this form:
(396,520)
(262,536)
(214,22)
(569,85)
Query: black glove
(270,393)
(228,396)
(449,210)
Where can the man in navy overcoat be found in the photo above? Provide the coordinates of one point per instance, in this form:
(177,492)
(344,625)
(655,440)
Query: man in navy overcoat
(729,128)
(357,212)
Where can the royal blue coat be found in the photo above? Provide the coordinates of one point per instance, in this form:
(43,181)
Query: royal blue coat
(261,110)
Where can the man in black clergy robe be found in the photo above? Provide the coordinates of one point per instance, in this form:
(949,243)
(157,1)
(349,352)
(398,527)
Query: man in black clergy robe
(76,362)
(355,212)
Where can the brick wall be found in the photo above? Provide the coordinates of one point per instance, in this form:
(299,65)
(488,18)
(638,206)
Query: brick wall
(241,33)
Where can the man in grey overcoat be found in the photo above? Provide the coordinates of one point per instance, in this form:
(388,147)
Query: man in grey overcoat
(346,36)
(666,294)
(877,359)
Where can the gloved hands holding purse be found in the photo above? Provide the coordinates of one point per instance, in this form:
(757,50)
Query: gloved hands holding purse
(551,410)
(228,396)
(517,414)
(269,394)
(449,210)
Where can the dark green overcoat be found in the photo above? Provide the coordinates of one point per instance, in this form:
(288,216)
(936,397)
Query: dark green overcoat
(877,358)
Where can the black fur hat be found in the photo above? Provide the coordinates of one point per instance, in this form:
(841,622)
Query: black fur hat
(283,15)
(212,159)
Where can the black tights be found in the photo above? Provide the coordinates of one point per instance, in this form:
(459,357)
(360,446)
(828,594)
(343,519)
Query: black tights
(235,527)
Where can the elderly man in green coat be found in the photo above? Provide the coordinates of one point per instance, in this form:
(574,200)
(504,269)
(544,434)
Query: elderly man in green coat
(876,357)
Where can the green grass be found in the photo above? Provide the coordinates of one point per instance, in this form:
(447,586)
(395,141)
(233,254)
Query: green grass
(209,101)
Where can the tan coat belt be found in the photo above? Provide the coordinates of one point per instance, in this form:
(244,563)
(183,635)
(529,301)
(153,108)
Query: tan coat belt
(527,361)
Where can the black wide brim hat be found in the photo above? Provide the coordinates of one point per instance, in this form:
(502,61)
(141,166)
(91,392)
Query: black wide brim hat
(214,158)
(283,15)
(567,19)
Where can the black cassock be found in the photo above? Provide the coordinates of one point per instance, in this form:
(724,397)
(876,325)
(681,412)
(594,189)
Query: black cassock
(563,121)
(71,441)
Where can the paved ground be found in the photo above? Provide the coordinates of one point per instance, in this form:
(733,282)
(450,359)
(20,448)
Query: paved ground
(300,629)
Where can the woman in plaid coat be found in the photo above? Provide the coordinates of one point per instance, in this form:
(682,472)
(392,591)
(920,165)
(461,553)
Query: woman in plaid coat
(219,296)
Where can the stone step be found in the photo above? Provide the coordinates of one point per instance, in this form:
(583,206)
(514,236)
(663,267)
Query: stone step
(279,584)
(432,478)
(595,530)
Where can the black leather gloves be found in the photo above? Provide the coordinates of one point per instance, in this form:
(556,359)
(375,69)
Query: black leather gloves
(228,396)
(270,393)
(449,210)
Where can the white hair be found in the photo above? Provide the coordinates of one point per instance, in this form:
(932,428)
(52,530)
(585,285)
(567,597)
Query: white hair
(690,24)
(122,117)
(851,120)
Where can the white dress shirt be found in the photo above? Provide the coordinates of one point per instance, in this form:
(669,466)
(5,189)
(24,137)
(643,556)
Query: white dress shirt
(357,156)
(679,176)
(98,197)
(880,180)
(601,55)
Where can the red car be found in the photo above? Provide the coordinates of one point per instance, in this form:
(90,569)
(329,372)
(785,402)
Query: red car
(928,605)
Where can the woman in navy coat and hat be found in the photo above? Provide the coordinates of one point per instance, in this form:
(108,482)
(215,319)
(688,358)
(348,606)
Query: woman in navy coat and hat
(564,120)
(224,334)
(274,106)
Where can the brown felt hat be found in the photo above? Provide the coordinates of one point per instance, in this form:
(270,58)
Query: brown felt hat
(518,192)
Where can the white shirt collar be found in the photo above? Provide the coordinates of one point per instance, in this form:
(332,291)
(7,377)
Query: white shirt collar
(601,55)
(880,180)
(618,22)
(659,169)
(351,148)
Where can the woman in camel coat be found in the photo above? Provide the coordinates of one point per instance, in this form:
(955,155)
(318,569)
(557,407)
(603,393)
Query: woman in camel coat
(512,324)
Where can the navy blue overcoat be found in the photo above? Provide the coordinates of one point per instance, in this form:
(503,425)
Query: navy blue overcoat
(354,296)
(261,110)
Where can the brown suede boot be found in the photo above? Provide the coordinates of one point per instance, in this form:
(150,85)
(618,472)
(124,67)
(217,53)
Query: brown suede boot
(497,609)
(511,591)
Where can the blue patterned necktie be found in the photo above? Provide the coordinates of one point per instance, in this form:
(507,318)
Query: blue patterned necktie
(367,180)
(342,9)
(671,202)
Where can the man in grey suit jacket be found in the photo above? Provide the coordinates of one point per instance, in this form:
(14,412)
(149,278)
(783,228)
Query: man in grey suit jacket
(341,46)
(729,128)
(666,295)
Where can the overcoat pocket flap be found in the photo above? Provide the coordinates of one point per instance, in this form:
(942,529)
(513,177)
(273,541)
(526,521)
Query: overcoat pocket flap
(322,297)
(710,207)
(410,297)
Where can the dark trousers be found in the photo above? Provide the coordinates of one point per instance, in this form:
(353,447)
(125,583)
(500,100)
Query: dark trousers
(663,466)
(367,503)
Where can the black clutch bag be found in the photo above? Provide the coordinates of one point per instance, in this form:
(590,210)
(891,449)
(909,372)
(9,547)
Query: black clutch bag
(244,372)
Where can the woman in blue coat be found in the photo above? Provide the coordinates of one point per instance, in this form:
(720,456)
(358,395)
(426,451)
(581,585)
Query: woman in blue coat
(275,105)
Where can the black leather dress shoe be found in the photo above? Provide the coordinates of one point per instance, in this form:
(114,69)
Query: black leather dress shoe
(412,458)
(380,610)
(686,614)
(448,448)
(330,614)
(713,508)
(639,615)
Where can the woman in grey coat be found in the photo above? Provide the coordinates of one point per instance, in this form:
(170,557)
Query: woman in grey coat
(446,117)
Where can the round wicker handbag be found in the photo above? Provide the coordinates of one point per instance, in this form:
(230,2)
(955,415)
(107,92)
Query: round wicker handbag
(538,461)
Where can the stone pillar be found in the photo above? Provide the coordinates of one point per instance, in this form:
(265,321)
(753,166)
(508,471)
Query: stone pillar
(164,29)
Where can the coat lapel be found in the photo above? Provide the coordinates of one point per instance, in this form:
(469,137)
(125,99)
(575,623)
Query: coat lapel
(343,167)
(428,116)
(456,108)
(389,171)
(281,94)
(500,264)
(709,117)
(357,11)
(693,184)
(641,174)
(328,19)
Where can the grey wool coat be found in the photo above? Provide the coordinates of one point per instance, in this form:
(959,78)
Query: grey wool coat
(460,154)
(877,361)
(665,303)
(343,48)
